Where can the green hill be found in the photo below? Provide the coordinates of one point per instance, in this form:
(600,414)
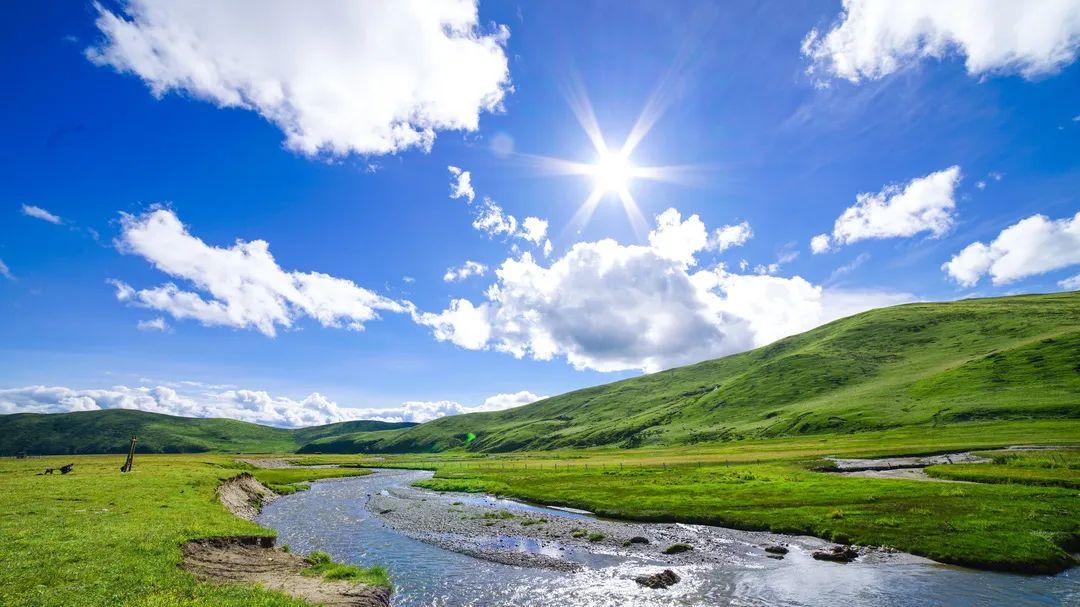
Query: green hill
(108,431)
(1009,358)
(933,364)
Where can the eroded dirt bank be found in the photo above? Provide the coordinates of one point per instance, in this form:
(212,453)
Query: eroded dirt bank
(255,560)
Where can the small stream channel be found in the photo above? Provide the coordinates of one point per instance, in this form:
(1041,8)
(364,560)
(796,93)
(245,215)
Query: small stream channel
(332,516)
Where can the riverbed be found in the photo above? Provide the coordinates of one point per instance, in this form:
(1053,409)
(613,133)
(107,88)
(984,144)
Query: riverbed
(456,550)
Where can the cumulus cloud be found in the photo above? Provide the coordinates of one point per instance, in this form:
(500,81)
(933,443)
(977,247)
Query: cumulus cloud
(157,324)
(245,285)
(363,77)
(490,218)
(610,307)
(493,221)
(461,184)
(726,237)
(924,204)
(820,244)
(872,39)
(1031,246)
(534,229)
(465,270)
(424,411)
(5,271)
(39,213)
(1071,283)
(256,406)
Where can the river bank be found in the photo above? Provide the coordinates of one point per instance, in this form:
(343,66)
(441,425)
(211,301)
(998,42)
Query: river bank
(517,533)
(345,518)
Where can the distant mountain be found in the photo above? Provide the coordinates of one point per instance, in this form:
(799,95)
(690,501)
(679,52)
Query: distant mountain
(109,430)
(930,364)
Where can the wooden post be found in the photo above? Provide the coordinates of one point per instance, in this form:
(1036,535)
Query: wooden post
(131,456)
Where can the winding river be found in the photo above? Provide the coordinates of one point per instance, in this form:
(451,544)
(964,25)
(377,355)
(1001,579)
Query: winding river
(333,516)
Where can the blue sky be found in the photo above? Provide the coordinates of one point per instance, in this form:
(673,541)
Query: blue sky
(772,128)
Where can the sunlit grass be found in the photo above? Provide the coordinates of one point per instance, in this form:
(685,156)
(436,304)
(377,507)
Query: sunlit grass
(96,537)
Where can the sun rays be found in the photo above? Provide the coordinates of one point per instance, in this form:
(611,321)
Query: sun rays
(612,170)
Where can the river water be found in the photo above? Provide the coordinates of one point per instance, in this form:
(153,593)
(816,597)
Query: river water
(332,517)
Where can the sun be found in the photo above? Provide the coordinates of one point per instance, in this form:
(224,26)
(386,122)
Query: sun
(612,172)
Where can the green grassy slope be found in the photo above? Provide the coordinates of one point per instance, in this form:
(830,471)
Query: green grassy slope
(934,364)
(108,431)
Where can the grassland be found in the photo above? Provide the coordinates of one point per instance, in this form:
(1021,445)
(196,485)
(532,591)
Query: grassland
(100,538)
(920,365)
(1058,468)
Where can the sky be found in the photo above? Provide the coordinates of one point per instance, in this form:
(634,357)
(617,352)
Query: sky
(402,210)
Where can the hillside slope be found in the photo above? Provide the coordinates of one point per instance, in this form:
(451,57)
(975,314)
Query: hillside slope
(108,431)
(1008,358)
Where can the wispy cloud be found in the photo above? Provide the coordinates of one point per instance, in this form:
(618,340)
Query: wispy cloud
(40,213)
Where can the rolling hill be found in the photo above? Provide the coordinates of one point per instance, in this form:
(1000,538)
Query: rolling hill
(108,431)
(929,364)
(1009,358)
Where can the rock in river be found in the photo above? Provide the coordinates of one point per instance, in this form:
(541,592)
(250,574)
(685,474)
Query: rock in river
(663,579)
(839,554)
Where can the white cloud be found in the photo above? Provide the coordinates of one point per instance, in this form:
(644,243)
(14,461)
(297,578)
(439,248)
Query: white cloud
(245,405)
(1071,283)
(610,307)
(493,221)
(1031,246)
(819,244)
(247,288)
(461,184)
(465,270)
(256,406)
(157,324)
(5,271)
(924,204)
(873,38)
(728,236)
(40,213)
(423,411)
(534,229)
(363,77)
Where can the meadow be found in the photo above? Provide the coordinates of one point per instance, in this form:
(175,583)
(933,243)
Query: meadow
(97,537)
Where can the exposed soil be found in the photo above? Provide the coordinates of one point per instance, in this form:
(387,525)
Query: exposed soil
(245,496)
(255,560)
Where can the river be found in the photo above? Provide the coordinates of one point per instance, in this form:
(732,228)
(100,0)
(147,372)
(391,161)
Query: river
(333,517)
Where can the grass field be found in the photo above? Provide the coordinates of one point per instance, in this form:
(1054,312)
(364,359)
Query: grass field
(1059,468)
(96,537)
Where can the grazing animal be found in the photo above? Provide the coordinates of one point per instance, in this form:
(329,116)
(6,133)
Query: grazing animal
(49,470)
(67,468)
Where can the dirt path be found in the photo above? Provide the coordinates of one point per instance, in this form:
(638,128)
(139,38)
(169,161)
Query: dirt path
(255,560)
